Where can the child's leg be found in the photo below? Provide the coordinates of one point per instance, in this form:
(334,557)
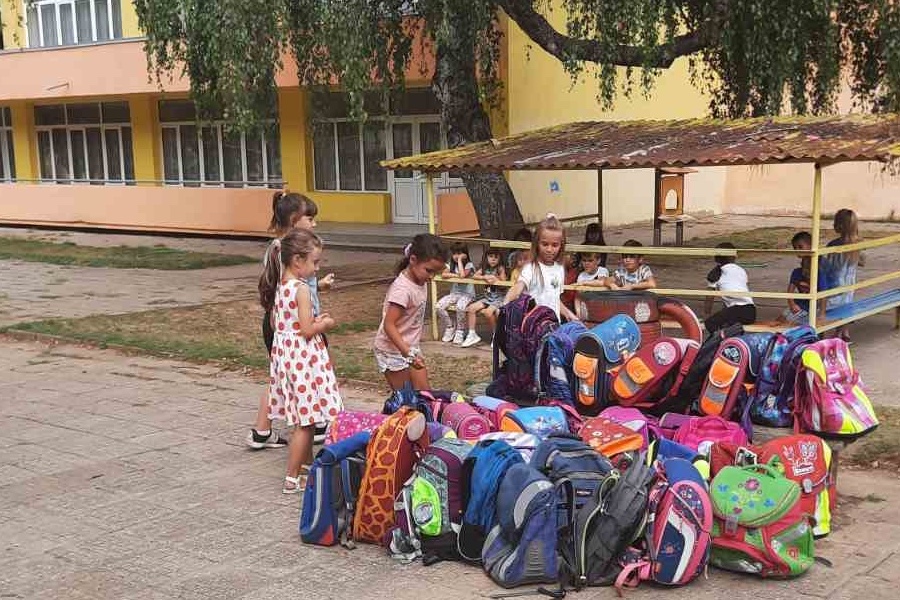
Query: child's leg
(490,313)
(397,379)
(441,307)
(462,303)
(300,450)
(419,378)
(263,423)
(472,313)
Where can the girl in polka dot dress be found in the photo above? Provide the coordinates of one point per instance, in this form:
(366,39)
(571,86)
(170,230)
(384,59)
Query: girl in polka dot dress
(303,389)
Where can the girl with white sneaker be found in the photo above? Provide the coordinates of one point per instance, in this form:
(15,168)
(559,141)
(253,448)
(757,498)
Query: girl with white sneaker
(491,271)
(460,296)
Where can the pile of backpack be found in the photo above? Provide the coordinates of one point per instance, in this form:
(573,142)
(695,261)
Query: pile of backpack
(626,464)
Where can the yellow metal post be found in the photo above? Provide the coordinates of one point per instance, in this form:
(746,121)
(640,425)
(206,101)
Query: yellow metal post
(429,193)
(816,232)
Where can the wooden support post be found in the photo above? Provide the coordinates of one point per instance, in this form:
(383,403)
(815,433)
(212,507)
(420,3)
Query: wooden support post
(600,198)
(657,224)
(816,232)
(897,318)
(429,193)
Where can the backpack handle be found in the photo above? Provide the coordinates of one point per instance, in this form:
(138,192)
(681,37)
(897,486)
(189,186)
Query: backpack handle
(766,469)
(721,423)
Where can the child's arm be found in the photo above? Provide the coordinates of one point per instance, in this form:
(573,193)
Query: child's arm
(792,304)
(326,282)
(467,270)
(646,284)
(568,314)
(394,314)
(514,292)
(501,273)
(310,326)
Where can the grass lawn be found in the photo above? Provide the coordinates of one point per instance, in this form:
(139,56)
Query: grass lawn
(119,257)
(229,333)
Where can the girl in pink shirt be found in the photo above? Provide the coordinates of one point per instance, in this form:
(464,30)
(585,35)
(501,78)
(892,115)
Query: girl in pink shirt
(403,314)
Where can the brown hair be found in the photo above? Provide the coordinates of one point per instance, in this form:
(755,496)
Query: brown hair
(288,205)
(847,226)
(424,247)
(298,242)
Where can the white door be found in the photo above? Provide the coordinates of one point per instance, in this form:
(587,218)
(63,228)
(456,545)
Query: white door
(408,194)
(409,137)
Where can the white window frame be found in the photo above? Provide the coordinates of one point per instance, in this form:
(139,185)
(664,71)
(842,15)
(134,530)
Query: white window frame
(266,182)
(37,4)
(362,154)
(5,150)
(82,128)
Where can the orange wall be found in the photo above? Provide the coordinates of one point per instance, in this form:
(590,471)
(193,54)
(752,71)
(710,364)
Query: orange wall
(138,207)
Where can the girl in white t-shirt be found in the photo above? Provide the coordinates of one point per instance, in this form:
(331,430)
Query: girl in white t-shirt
(544,276)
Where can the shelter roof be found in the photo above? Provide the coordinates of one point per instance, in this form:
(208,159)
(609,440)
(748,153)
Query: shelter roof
(681,143)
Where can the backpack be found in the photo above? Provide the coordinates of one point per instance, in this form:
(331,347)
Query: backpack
(465,420)
(632,418)
(609,437)
(698,431)
(808,461)
(521,326)
(574,420)
(759,526)
(830,400)
(771,402)
(331,492)
(483,471)
(430,505)
(408,397)
(523,443)
(696,375)
(677,540)
(493,409)
(647,376)
(553,363)
(598,532)
(521,548)
(391,454)
(539,420)
(595,352)
(758,343)
(350,422)
(724,384)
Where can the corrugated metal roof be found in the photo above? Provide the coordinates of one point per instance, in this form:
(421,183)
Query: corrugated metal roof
(684,143)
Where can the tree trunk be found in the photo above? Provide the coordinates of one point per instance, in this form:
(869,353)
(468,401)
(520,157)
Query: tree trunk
(456,87)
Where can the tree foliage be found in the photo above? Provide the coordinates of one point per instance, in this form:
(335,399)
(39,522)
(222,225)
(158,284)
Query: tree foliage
(752,57)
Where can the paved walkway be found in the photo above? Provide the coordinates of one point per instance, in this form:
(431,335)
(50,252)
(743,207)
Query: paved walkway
(126,477)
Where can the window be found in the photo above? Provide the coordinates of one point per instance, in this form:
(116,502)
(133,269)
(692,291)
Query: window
(347,153)
(7,157)
(85,143)
(69,22)
(197,153)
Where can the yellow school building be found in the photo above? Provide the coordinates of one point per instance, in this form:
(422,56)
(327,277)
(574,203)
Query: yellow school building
(87,139)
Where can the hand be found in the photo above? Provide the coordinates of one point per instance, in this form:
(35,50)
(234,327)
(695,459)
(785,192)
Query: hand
(327,281)
(418,362)
(795,309)
(326,321)
(628,287)
(491,279)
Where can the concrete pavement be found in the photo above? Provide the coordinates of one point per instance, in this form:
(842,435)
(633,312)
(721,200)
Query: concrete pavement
(126,477)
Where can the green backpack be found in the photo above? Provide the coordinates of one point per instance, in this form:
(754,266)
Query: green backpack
(759,526)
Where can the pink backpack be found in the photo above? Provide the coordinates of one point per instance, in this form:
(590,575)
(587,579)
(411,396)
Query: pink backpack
(350,422)
(467,422)
(829,399)
(493,409)
(711,429)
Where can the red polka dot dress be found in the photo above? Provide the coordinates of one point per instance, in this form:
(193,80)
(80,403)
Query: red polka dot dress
(302,385)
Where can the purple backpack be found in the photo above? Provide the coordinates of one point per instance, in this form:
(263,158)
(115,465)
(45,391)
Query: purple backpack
(772,402)
(521,327)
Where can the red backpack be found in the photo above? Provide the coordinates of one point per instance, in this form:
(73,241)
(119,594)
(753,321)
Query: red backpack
(654,373)
(724,384)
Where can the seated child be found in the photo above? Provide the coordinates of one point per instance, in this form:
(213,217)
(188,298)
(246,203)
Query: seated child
(592,274)
(460,296)
(633,273)
(491,271)
(518,258)
(798,310)
(728,276)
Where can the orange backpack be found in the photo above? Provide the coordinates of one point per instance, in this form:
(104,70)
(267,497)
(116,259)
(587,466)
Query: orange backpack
(391,455)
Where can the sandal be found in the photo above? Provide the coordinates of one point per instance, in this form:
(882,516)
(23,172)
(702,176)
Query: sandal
(295,485)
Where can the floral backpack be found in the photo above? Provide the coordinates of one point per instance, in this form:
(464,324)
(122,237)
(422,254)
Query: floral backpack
(829,399)
(759,524)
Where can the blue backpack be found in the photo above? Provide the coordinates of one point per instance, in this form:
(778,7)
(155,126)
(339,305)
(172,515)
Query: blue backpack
(596,351)
(521,548)
(483,471)
(521,328)
(772,400)
(758,343)
(553,374)
(331,490)
(407,396)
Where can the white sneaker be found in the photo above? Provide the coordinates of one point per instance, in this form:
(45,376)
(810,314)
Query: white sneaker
(473,339)
(448,334)
(459,337)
